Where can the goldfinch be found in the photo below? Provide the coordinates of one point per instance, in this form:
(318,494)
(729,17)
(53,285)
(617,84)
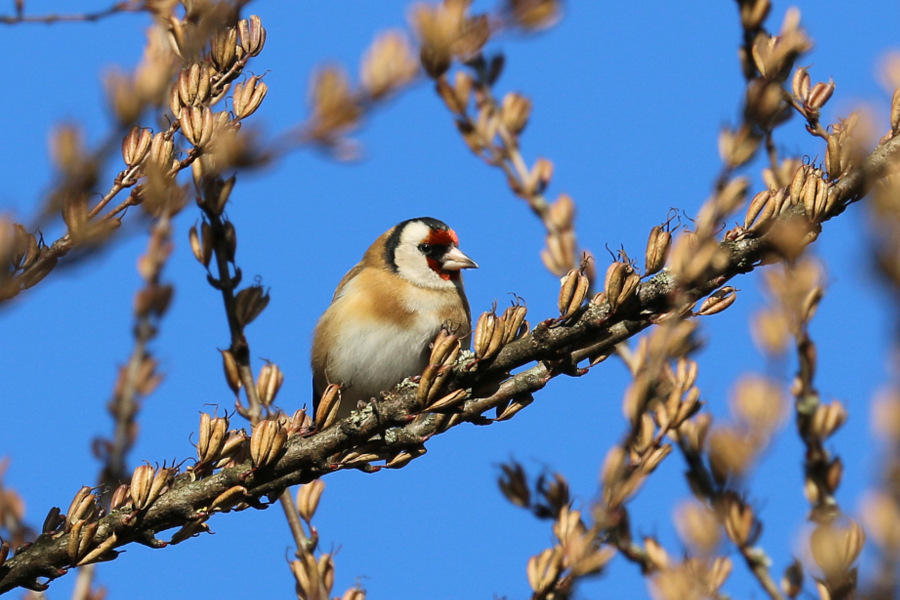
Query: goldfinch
(388,309)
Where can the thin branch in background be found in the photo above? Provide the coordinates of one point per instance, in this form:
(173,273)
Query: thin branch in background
(20,17)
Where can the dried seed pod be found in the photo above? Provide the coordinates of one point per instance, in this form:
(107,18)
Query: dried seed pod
(216,196)
(561,213)
(514,323)
(559,256)
(693,432)
(136,145)
(84,507)
(821,199)
(148,484)
(300,422)
(718,301)
(193,86)
(614,282)
(534,15)
(75,213)
(514,112)
(760,205)
(233,497)
(306,572)
(308,497)
(629,288)
(53,521)
(202,246)
(835,547)
(34,275)
(656,553)
(658,244)
(247,96)
(81,538)
(120,497)
(572,292)
(819,95)
(652,460)
(268,383)
(161,153)
(252,35)
(539,177)
(514,484)
(223,47)
(451,400)
(400,460)
(833,152)
(249,303)
(738,147)
(211,441)
(266,442)
(753,13)
(827,419)
(808,196)
(800,84)
(329,403)
(486,341)
(388,64)
(798,182)
(810,304)
(544,569)
(834,474)
(444,352)
(232,373)
(895,111)
(518,403)
(235,449)
(740,523)
(197,124)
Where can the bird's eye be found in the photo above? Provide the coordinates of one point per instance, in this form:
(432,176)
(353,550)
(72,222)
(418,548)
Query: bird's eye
(425,248)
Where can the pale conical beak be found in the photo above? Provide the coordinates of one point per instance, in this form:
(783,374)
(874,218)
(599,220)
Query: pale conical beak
(454,260)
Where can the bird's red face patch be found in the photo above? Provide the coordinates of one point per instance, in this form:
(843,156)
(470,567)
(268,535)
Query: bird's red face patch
(445,275)
(442,237)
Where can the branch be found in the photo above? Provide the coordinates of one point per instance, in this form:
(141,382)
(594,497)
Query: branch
(552,345)
(118,7)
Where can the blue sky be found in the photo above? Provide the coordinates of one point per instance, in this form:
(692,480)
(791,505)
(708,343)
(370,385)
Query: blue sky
(628,100)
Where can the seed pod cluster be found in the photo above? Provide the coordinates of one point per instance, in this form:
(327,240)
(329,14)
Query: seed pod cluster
(493,332)
(267,442)
(148,484)
(327,408)
(658,244)
(388,65)
(620,284)
(444,352)
(249,303)
(573,290)
(211,441)
(446,32)
(559,255)
(718,301)
(268,383)
(308,497)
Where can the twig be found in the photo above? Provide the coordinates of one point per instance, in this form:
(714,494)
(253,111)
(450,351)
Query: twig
(91,17)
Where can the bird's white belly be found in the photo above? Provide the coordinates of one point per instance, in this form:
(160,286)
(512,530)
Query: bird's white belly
(371,357)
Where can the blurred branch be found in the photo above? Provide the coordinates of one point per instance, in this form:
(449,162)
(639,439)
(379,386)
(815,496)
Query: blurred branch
(553,346)
(49,19)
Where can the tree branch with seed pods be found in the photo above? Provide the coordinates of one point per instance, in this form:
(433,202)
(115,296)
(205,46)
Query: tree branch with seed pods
(205,53)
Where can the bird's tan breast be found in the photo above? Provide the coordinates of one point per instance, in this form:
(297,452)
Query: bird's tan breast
(378,328)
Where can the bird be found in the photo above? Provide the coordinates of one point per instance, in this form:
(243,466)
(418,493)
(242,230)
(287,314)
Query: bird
(388,309)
